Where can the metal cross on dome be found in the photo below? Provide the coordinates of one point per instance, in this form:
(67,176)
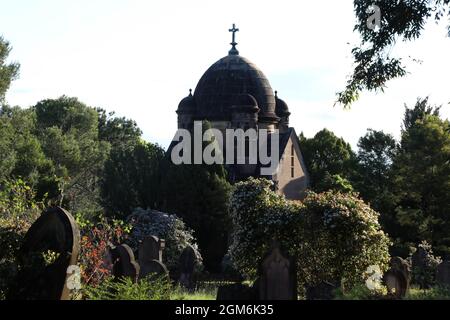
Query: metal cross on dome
(233,43)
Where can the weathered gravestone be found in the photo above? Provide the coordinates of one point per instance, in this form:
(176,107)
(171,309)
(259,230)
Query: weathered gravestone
(402,265)
(124,264)
(397,278)
(150,257)
(443,274)
(151,248)
(187,263)
(153,267)
(277,276)
(48,257)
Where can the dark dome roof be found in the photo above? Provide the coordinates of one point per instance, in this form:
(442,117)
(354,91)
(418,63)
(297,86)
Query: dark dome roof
(245,102)
(229,77)
(281,108)
(187,105)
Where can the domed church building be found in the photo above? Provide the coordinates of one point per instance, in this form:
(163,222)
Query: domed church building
(235,94)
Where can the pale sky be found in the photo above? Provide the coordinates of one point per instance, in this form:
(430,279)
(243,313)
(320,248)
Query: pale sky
(139,58)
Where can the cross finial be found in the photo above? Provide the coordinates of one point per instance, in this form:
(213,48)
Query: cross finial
(233,50)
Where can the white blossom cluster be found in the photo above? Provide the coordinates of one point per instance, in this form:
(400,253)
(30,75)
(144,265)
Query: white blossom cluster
(331,235)
(164,226)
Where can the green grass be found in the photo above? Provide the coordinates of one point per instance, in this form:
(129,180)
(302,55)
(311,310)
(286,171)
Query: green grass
(202,294)
(362,293)
(436,293)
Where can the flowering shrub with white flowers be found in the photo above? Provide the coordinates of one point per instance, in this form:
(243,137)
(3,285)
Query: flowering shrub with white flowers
(332,236)
(342,238)
(164,226)
(259,216)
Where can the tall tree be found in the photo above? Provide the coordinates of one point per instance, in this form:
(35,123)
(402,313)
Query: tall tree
(7,152)
(421,178)
(8,71)
(376,152)
(30,161)
(330,160)
(119,132)
(132,178)
(381,24)
(68,132)
(199,194)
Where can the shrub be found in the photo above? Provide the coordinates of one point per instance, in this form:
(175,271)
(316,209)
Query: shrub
(95,240)
(341,238)
(146,223)
(150,288)
(18,210)
(332,236)
(361,292)
(424,272)
(434,293)
(18,206)
(259,216)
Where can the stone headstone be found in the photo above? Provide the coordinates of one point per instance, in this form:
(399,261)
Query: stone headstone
(277,276)
(153,267)
(402,265)
(188,260)
(397,278)
(150,257)
(443,274)
(124,263)
(151,248)
(49,251)
(395,283)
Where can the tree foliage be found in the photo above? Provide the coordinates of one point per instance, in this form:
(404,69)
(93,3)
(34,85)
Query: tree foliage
(403,20)
(424,274)
(332,236)
(8,71)
(119,132)
(199,194)
(132,178)
(376,153)
(18,210)
(329,159)
(59,147)
(421,178)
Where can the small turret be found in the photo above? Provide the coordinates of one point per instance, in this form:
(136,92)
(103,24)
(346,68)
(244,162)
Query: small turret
(282,111)
(186,111)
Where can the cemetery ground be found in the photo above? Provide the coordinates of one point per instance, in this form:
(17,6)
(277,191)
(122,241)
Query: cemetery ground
(62,257)
(91,211)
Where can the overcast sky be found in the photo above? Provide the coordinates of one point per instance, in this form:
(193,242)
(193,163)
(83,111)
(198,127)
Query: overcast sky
(139,58)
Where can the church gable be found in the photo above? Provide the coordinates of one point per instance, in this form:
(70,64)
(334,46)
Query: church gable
(292,176)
